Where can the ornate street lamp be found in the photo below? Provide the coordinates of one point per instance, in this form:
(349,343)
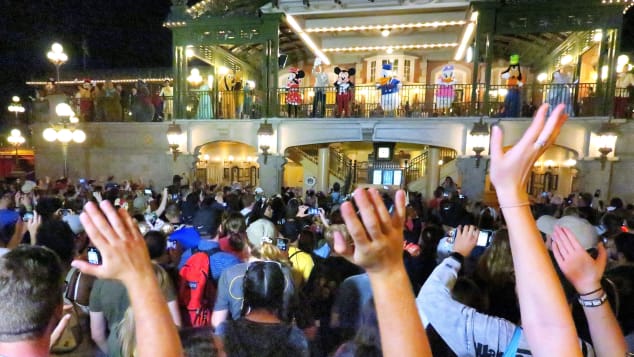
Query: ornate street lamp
(65,131)
(480,139)
(57,57)
(174,134)
(16,139)
(265,134)
(606,136)
(16,107)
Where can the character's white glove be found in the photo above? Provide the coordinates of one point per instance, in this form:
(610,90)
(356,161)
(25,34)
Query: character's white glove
(520,84)
(317,62)
(505,75)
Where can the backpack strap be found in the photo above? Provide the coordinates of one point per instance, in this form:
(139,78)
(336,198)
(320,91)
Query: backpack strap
(511,349)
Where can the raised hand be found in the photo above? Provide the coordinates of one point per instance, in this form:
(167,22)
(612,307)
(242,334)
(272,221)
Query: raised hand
(583,272)
(378,240)
(466,239)
(510,169)
(124,252)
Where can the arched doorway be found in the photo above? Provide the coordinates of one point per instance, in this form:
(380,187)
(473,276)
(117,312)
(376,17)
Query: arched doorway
(227,163)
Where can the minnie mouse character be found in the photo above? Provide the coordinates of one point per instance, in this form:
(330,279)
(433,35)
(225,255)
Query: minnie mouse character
(344,87)
(293,96)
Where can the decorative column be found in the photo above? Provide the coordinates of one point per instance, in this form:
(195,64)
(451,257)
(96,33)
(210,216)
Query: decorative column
(473,178)
(180,83)
(432,171)
(271,173)
(323,172)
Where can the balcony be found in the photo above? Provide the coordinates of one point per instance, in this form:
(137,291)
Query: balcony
(413,101)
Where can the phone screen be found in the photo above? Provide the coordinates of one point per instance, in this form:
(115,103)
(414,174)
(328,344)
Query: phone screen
(282,244)
(171,244)
(483,238)
(312,211)
(148,192)
(94,257)
(27,216)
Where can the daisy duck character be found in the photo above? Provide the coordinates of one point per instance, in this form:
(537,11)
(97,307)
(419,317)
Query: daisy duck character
(389,86)
(344,87)
(445,91)
(293,96)
(513,76)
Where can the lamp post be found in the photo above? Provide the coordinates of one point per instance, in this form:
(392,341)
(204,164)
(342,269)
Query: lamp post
(265,133)
(57,57)
(174,134)
(480,139)
(64,131)
(16,107)
(607,135)
(16,139)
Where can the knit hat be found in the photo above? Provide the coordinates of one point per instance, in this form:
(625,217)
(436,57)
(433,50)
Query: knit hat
(584,232)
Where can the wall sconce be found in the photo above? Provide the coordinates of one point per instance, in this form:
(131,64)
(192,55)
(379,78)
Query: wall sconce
(607,135)
(480,139)
(265,134)
(174,133)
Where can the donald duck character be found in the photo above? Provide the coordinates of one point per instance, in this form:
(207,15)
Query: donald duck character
(389,86)
(445,92)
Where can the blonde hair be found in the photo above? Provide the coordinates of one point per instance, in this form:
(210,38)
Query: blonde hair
(269,251)
(329,235)
(125,329)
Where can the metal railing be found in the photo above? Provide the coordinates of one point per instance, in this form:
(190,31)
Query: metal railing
(416,167)
(366,101)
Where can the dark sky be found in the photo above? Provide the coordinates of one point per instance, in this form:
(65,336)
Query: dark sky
(118,33)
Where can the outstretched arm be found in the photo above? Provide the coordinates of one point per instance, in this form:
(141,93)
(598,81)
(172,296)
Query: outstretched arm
(378,247)
(159,211)
(584,273)
(126,258)
(546,318)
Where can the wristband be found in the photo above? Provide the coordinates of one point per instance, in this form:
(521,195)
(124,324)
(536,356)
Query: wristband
(592,292)
(519,204)
(458,257)
(594,302)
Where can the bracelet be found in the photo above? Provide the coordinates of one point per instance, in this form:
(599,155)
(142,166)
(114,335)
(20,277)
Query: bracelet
(513,205)
(592,292)
(594,302)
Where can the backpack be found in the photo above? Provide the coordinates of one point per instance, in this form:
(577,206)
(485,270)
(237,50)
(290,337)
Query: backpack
(76,300)
(197,289)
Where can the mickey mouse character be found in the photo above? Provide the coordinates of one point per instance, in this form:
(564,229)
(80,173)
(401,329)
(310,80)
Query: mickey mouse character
(344,86)
(293,96)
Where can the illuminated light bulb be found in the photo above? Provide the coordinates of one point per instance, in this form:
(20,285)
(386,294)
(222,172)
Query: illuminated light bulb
(385,33)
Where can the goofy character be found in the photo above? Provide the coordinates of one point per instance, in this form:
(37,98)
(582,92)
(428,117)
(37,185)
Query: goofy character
(513,76)
(293,96)
(344,87)
(389,86)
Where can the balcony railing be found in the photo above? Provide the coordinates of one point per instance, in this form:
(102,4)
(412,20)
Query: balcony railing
(412,101)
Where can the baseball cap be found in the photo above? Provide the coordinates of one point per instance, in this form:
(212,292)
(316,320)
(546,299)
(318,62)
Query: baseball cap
(188,237)
(259,190)
(584,232)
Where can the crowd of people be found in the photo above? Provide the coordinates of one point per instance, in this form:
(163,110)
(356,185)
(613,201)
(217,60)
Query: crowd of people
(206,270)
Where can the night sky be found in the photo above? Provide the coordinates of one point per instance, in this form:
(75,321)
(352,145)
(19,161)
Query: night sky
(117,33)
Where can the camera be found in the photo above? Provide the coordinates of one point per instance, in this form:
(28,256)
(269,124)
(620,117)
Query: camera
(94,257)
(27,216)
(282,244)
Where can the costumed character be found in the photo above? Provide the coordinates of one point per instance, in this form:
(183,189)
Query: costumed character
(445,92)
(228,100)
(167,94)
(142,107)
(514,81)
(389,86)
(624,95)
(111,102)
(248,99)
(560,92)
(85,99)
(321,82)
(205,109)
(48,98)
(345,88)
(293,96)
